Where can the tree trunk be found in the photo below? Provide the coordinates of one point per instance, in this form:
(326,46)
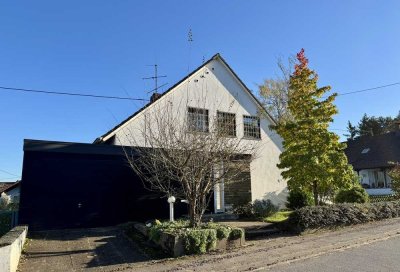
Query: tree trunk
(315,192)
(192,213)
(194,216)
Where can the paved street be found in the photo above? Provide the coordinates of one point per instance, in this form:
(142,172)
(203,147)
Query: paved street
(375,257)
(369,247)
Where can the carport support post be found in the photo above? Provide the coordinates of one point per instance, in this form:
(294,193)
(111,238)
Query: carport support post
(171,201)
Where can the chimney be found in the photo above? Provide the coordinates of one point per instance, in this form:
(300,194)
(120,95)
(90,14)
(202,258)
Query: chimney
(154,97)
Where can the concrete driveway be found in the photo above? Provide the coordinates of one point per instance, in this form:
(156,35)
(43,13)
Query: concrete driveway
(100,249)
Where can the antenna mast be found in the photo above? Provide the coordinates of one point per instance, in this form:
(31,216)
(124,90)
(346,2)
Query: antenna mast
(155,78)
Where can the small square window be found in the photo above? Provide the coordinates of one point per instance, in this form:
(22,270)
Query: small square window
(251,126)
(198,119)
(226,123)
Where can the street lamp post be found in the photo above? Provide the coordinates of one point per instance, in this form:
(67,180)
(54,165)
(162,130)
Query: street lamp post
(171,201)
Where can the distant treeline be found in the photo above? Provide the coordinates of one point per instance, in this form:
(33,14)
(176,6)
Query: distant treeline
(372,125)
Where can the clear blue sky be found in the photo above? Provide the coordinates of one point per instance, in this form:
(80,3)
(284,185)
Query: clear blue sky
(103,47)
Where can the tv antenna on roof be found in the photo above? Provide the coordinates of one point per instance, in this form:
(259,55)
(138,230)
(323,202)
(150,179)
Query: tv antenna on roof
(155,78)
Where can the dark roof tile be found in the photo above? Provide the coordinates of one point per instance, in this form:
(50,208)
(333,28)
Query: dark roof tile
(383,149)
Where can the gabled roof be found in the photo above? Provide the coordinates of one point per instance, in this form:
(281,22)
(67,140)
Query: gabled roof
(215,57)
(367,152)
(5,187)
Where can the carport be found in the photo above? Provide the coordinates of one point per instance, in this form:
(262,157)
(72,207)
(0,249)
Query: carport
(71,185)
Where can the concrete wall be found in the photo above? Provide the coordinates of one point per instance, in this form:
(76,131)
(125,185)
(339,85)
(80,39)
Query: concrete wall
(11,245)
(215,88)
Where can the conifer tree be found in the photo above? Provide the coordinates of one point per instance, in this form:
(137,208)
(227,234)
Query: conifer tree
(313,159)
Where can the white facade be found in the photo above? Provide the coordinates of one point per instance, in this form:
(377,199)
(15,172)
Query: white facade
(215,87)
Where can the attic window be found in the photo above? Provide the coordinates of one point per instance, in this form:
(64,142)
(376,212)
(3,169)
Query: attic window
(365,151)
(226,123)
(251,126)
(198,119)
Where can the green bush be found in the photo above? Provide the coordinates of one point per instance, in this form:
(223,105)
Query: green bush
(196,240)
(264,208)
(5,222)
(356,194)
(158,227)
(341,215)
(236,233)
(298,199)
(199,241)
(222,231)
(244,210)
(257,209)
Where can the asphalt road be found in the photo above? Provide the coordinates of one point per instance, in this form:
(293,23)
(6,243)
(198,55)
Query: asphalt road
(375,257)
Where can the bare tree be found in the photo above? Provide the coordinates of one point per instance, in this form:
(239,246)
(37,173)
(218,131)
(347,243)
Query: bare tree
(274,92)
(187,153)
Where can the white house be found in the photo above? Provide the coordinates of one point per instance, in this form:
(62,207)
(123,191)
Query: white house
(214,90)
(11,189)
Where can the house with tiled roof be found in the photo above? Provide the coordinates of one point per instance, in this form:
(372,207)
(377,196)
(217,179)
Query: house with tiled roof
(11,189)
(214,91)
(372,157)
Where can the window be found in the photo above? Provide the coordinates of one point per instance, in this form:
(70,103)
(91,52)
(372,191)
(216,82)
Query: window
(251,126)
(198,119)
(365,151)
(226,123)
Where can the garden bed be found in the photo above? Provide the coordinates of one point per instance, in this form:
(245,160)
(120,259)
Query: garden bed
(177,238)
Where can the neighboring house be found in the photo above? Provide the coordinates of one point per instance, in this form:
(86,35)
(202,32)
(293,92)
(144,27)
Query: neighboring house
(371,158)
(11,189)
(214,92)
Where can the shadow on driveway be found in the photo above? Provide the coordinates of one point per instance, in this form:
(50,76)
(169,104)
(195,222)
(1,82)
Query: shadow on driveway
(79,249)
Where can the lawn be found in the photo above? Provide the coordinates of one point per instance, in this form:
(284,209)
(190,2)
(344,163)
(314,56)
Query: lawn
(278,217)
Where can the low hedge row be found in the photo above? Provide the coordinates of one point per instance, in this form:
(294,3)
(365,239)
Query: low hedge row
(330,216)
(196,240)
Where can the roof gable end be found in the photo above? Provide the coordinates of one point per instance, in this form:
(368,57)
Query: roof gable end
(217,57)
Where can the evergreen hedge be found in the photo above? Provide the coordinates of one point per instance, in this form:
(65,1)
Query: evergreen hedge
(196,240)
(5,222)
(331,216)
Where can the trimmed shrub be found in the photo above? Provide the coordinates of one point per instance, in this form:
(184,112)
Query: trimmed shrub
(198,241)
(236,233)
(222,231)
(298,199)
(264,208)
(341,215)
(244,210)
(356,194)
(257,209)
(195,240)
